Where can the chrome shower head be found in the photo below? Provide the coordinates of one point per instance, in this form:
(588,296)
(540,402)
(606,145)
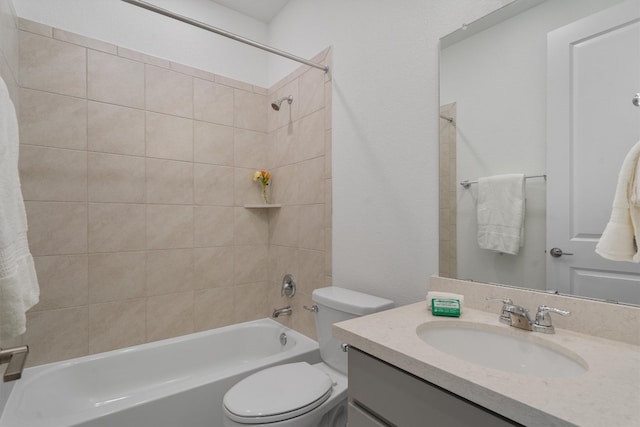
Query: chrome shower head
(276,105)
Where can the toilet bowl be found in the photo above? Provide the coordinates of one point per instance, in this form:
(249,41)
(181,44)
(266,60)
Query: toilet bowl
(300,394)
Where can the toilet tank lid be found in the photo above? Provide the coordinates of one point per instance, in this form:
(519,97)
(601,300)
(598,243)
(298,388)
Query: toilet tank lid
(349,301)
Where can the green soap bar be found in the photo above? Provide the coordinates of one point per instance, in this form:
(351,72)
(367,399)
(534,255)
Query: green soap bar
(445,307)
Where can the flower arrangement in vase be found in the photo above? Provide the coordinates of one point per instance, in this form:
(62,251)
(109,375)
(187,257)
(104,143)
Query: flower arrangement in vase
(264,178)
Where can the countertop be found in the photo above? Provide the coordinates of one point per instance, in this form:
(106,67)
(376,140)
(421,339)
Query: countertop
(607,394)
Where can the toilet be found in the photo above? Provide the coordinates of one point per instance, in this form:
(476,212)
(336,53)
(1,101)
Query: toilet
(300,394)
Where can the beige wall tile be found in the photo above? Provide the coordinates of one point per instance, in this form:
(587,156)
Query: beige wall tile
(84,41)
(115,129)
(168,92)
(114,325)
(63,281)
(213,267)
(169,315)
(213,185)
(250,302)
(213,144)
(328,169)
(142,57)
(213,226)
(169,227)
(169,137)
(311,270)
(55,335)
(227,81)
(57,228)
(286,144)
(116,227)
(250,111)
(328,99)
(310,175)
(250,149)
(212,102)
(284,185)
(213,308)
(52,65)
(115,80)
(35,27)
(53,174)
(250,264)
(116,276)
(311,92)
(311,231)
(310,139)
(52,120)
(251,226)
(116,178)
(190,71)
(169,271)
(169,182)
(282,260)
(284,226)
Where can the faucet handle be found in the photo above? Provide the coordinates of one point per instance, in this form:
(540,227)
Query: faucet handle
(543,318)
(505,317)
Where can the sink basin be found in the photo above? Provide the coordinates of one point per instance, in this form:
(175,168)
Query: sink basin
(503,349)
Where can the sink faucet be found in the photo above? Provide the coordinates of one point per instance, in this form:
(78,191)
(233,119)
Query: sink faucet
(518,316)
(15,358)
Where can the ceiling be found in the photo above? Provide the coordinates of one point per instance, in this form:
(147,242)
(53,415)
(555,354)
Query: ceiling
(262,10)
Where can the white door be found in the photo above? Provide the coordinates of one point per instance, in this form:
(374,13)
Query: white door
(593,74)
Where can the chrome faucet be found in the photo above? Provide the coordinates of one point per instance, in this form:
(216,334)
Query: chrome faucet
(15,358)
(284,311)
(518,316)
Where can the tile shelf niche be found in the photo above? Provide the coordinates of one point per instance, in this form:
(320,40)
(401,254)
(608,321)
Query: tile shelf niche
(256,206)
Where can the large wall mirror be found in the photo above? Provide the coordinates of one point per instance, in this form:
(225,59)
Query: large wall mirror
(545,89)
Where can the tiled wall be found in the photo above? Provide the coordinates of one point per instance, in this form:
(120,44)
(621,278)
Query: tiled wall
(448,190)
(300,157)
(135,171)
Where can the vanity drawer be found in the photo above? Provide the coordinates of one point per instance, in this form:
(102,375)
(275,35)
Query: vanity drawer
(359,417)
(401,399)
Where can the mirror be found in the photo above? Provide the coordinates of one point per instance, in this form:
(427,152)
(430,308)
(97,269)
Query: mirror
(493,114)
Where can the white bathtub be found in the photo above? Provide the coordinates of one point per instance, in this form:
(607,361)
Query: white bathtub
(179,382)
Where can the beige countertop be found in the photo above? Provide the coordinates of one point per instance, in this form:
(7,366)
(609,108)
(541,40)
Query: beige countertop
(607,394)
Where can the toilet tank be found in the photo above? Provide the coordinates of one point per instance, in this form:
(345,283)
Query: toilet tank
(335,305)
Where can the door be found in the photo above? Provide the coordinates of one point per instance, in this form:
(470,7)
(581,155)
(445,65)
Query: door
(593,74)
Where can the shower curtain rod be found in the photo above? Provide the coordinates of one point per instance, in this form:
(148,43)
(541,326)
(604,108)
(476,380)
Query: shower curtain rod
(202,25)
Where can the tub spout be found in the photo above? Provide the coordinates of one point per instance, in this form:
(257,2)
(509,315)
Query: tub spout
(15,358)
(284,311)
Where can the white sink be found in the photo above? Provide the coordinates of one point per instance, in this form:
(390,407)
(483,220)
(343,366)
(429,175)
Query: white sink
(508,349)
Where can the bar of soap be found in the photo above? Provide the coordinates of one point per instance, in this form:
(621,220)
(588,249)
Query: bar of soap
(445,307)
(444,295)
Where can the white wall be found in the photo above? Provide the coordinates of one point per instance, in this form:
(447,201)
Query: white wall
(129,26)
(498,80)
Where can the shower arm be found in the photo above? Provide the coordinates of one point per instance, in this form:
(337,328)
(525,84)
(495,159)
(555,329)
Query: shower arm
(202,25)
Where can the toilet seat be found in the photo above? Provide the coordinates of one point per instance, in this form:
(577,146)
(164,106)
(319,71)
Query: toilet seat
(277,393)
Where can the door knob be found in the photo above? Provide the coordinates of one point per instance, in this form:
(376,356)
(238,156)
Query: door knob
(557,252)
(636,100)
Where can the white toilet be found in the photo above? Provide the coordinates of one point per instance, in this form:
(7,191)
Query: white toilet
(300,394)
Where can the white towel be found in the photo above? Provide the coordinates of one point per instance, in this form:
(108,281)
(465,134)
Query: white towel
(501,203)
(621,236)
(19,289)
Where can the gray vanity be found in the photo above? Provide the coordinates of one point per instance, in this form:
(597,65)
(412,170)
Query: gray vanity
(398,377)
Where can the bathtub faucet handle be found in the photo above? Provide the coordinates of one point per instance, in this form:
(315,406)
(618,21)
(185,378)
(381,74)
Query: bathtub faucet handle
(15,358)
(313,308)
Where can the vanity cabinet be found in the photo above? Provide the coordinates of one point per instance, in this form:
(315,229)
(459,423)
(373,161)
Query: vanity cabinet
(383,395)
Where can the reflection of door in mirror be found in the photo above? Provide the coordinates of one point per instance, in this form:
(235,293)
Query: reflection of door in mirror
(447,179)
(593,74)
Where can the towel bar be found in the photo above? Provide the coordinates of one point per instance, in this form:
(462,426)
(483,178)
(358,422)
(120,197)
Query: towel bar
(467,183)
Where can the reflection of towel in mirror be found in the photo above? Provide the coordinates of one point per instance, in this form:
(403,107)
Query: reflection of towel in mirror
(501,207)
(621,236)
(18,282)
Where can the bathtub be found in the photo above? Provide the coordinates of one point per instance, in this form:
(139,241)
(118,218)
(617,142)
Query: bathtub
(178,382)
